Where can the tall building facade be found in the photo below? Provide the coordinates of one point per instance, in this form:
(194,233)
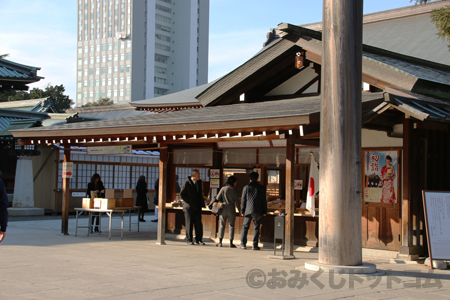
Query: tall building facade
(130,50)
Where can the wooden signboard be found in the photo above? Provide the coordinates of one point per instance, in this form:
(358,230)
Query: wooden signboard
(437,221)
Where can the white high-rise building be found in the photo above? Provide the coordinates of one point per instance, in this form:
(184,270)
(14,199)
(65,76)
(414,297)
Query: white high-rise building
(130,50)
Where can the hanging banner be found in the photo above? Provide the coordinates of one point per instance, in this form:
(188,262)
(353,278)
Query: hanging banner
(110,150)
(381,176)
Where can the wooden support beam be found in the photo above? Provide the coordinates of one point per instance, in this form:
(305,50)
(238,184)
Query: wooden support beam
(340,230)
(307,142)
(65,198)
(161,233)
(290,201)
(407,220)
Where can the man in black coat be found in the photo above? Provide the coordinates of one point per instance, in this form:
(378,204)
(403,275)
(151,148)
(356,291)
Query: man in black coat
(253,207)
(192,195)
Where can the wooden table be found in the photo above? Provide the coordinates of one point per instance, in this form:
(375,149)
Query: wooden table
(108,212)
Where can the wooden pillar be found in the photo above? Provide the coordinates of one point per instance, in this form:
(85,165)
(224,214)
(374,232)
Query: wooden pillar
(407,249)
(217,160)
(65,198)
(340,134)
(161,234)
(290,201)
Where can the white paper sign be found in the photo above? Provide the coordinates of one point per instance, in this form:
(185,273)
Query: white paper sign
(67,170)
(437,217)
(110,150)
(79,194)
(214,183)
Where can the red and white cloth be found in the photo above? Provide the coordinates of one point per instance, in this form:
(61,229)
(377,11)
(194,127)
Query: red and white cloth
(313,186)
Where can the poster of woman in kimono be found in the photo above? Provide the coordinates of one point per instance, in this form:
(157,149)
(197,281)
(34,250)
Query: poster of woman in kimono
(388,177)
(381,179)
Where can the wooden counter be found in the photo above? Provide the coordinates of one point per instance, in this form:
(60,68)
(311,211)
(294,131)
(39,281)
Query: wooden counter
(306,227)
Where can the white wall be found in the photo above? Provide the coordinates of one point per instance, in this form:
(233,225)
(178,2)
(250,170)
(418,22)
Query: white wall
(373,138)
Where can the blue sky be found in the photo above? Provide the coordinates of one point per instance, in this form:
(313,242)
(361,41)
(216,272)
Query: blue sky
(42,33)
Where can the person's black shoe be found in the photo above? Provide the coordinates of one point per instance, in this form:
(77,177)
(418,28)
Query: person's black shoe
(256,248)
(200,242)
(141,220)
(156,220)
(242,247)
(232,246)
(96,229)
(190,243)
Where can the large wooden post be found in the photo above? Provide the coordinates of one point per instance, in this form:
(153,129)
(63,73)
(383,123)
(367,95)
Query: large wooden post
(340,134)
(161,234)
(290,175)
(408,251)
(65,198)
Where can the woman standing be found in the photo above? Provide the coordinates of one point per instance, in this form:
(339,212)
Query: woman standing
(96,186)
(388,176)
(228,195)
(141,199)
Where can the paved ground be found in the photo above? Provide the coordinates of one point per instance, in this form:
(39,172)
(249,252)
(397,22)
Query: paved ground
(37,262)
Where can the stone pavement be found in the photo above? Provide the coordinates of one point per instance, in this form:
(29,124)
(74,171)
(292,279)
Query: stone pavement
(37,262)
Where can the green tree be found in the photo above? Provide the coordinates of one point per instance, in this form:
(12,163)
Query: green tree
(101,102)
(441,18)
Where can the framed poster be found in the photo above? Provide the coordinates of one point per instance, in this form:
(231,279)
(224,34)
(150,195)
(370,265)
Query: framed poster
(381,176)
(437,221)
(298,184)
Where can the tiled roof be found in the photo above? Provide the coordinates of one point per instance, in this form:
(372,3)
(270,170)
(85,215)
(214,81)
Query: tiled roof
(13,71)
(182,97)
(107,112)
(406,30)
(33,105)
(259,112)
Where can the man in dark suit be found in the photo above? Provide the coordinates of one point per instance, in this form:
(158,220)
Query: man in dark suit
(192,195)
(253,207)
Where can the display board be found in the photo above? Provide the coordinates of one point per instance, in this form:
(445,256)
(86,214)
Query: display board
(437,220)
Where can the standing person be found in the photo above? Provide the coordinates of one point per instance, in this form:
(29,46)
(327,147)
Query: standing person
(228,195)
(192,195)
(254,206)
(3,210)
(141,198)
(96,185)
(387,177)
(156,200)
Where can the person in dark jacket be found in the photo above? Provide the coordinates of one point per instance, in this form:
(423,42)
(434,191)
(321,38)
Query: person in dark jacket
(3,210)
(141,198)
(229,196)
(96,185)
(253,207)
(193,202)
(156,200)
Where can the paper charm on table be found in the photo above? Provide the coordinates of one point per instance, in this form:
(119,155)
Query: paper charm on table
(313,186)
